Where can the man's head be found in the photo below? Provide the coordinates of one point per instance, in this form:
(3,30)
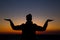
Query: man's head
(29,17)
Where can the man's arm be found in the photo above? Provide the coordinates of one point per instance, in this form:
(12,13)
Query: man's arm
(44,26)
(12,25)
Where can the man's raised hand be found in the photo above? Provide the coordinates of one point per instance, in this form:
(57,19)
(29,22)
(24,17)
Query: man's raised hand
(7,19)
(49,20)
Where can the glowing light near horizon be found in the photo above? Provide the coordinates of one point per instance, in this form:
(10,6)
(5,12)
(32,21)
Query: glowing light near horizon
(6,28)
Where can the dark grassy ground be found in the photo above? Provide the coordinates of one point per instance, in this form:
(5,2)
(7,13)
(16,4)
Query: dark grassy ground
(18,37)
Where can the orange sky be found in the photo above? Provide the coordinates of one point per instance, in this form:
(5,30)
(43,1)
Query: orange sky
(5,27)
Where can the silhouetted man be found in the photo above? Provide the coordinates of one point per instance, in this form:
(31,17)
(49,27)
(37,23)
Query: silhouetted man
(28,29)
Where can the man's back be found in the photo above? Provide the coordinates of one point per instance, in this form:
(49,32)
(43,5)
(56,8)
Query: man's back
(28,31)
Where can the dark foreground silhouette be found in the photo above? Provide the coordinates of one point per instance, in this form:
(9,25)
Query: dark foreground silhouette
(29,28)
(39,37)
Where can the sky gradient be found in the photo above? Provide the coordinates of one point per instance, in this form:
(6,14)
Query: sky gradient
(41,10)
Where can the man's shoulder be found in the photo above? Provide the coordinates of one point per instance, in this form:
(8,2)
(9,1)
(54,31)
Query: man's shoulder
(22,24)
(34,24)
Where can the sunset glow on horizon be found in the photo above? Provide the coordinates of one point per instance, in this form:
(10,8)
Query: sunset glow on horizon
(6,28)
